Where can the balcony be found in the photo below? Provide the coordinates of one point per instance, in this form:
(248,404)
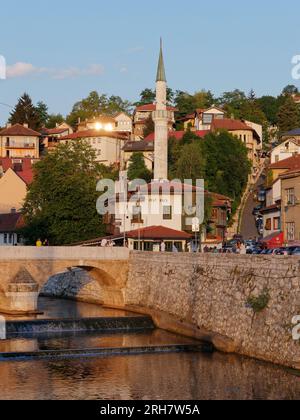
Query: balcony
(15,145)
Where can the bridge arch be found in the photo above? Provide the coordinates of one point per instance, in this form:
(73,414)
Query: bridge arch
(110,273)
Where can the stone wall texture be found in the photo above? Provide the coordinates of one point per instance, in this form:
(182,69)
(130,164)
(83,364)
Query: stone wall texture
(209,293)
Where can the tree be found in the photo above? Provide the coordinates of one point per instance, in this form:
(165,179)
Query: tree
(95,105)
(290,90)
(137,168)
(187,103)
(288,116)
(227,165)
(232,102)
(148,96)
(270,107)
(42,111)
(25,113)
(54,119)
(61,201)
(149,127)
(191,163)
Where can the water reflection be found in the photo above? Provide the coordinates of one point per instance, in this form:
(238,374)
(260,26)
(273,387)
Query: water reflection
(52,308)
(92,341)
(166,376)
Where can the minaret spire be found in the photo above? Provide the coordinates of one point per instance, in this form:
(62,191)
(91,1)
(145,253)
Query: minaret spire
(161,73)
(161,118)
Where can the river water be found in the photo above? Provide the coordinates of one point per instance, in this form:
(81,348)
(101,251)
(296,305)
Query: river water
(149,376)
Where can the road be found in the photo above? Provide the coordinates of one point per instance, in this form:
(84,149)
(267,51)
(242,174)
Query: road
(248,227)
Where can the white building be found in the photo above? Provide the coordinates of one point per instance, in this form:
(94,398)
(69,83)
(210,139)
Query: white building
(285,150)
(107,145)
(9,224)
(272,212)
(205,117)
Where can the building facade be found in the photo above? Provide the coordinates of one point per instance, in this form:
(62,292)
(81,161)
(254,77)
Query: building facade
(107,145)
(19,141)
(290,191)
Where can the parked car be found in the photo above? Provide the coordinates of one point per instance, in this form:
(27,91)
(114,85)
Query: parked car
(256,251)
(257,209)
(291,249)
(296,252)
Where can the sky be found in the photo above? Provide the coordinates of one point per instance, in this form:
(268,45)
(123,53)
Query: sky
(59,51)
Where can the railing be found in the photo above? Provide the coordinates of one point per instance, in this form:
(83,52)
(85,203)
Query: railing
(14,145)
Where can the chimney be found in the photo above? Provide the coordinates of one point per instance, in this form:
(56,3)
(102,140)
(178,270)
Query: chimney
(8,125)
(13,210)
(25,125)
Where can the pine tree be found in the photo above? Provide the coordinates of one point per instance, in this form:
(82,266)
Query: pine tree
(25,113)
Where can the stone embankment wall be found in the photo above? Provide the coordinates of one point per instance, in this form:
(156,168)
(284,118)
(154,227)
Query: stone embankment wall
(208,296)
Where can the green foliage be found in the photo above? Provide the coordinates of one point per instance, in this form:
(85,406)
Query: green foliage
(137,168)
(42,111)
(288,116)
(26,113)
(148,96)
(187,104)
(258,304)
(54,119)
(95,105)
(149,127)
(61,201)
(227,165)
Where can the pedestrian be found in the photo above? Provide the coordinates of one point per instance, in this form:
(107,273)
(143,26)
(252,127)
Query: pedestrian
(46,242)
(163,247)
(104,243)
(39,243)
(174,248)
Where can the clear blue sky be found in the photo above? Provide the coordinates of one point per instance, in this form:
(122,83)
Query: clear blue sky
(68,48)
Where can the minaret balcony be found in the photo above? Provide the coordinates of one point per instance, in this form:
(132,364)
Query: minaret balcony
(162,114)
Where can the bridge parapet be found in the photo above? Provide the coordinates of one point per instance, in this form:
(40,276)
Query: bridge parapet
(63,253)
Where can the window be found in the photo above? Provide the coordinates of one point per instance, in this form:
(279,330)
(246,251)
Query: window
(276,223)
(268,224)
(5,238)
(276,158)
(137,215)
(290,197)
(167,213)
(207,118)
(290,231)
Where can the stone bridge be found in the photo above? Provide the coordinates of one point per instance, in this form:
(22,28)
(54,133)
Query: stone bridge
(25,270)
(242,303)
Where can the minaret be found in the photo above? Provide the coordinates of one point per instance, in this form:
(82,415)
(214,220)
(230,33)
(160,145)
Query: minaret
(161,118)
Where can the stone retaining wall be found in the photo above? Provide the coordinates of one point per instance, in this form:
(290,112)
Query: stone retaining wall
(206,296)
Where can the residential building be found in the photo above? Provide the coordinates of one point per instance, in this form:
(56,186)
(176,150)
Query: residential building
(107,145)
(9,225)
(121,122)
(51,136)
(278,168)
(143,113)
(272,211)
(290,191)
(204,118)
(15,176)
(285,150)
(19,141)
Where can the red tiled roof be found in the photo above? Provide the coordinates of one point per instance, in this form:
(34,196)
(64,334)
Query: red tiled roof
(26,172)
(19,130)
(179,134)
(152,107)
(158,232)
(292,164)
(94,133)
(53,131)
(230,125)
(10,222)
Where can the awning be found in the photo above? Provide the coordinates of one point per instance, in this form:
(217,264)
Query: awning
(276,240)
